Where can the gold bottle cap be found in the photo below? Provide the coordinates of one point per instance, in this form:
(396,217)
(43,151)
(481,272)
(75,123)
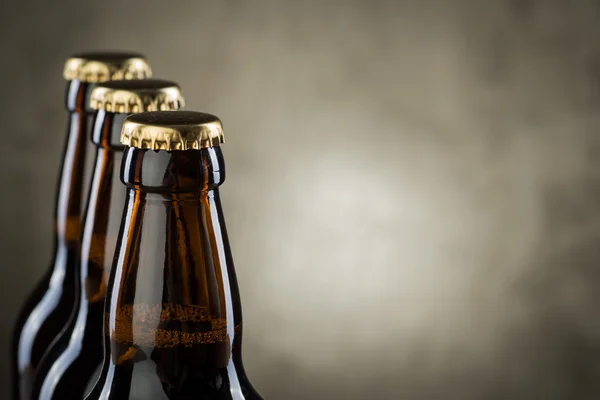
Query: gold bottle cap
(100,67)
(172,130)
(136,96)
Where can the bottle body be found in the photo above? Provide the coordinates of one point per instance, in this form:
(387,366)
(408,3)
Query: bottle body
(46,312)
(51,304)
(173,316)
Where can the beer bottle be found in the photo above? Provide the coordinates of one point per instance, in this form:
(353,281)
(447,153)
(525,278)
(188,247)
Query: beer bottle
(76,354)
(173,327)
(50,305)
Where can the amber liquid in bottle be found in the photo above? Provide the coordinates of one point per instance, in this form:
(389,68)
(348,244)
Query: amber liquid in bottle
(49,307)
(77,353)
(173,327)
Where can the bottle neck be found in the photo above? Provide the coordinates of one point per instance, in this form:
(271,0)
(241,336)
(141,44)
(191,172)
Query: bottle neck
(173,265)
(71,185)
(173,301)
(103,217)
(104,208)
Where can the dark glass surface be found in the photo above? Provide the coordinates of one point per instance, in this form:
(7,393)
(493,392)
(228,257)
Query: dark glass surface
(76,354)
(173,327)
(49,307)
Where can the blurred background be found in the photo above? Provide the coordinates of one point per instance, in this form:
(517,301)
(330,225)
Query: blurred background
(413,186)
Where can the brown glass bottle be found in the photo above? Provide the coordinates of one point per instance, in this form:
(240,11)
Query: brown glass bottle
(173,327)
(50,305)
(76,354)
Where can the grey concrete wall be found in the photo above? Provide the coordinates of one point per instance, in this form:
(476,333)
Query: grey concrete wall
(413,186)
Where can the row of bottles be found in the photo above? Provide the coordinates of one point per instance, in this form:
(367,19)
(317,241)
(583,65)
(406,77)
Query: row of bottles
(141,299)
